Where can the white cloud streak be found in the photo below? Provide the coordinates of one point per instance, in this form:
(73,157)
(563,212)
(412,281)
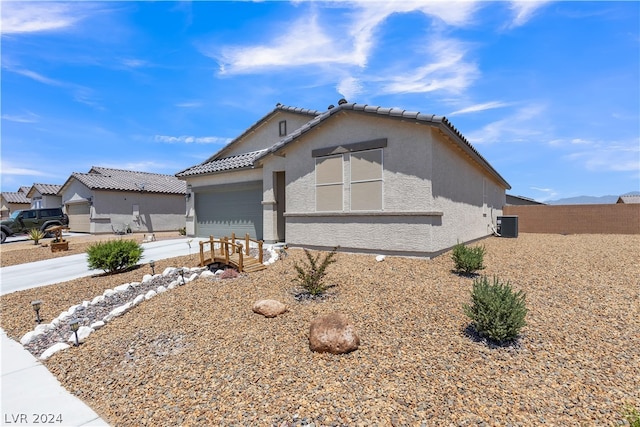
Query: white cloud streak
(191,139)
(28,118)
(524,10)
(31,17)
(521,126)
(480,107)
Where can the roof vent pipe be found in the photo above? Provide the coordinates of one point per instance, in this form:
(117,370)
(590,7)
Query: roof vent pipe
(342,101)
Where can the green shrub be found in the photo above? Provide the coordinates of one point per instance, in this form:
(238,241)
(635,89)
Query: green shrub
(467,260)
(114,255)
(311,276)
(632,415)
(182,231)
(496,311)
(36,235)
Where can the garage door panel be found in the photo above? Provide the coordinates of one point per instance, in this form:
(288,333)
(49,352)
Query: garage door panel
(79,217)
(234,209)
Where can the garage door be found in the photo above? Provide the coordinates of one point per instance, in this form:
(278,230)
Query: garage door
(230,209)
(79,217)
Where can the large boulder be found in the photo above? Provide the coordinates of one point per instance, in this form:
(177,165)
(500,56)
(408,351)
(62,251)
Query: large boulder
(269,307)
(333,333)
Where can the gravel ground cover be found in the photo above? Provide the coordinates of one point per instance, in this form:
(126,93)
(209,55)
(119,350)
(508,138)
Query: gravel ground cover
(198,355)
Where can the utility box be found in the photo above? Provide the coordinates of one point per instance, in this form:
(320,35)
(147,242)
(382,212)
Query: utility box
(508,225)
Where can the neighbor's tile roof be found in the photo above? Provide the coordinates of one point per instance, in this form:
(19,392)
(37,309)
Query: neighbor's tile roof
(630,198)
(45,189)
(24,189)
(99,178)
(17,197)
(225,164)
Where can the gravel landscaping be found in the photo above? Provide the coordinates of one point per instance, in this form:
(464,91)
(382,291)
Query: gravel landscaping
(198,355)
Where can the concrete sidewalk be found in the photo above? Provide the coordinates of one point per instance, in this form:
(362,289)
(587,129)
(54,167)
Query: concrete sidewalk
(31,395)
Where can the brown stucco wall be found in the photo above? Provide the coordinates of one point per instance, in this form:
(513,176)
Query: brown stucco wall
(577,219)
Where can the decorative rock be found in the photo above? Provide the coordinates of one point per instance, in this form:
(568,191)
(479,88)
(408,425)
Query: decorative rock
(206,274)
(122,288)
(97,300)
(150,294)
(168,271)
(333,333)
(63,316)
(134,284)
(137,300)
(45,327)
(380,258)
(269,307)
(86,304)
(83,334)
(118,311)
(218,272)
(53,350)
(172,284)
(55,322)
(109,292)
(72,309)
(30,336)
(146,278)
(97,325)
(161,289)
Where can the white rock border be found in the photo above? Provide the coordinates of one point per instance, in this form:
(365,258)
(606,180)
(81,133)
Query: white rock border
(190,274)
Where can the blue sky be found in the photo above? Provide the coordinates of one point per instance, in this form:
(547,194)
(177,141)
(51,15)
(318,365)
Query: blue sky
(547,92)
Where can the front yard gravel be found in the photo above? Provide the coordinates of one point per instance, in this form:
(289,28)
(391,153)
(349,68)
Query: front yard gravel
(198,355)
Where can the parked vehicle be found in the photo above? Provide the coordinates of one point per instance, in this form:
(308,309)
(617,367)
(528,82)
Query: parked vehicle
(24,220)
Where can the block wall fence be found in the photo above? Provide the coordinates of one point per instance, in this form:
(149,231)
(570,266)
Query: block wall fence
(577,219)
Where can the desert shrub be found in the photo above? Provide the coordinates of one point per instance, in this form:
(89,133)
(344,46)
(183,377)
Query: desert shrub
(182,231)
(229,273)
(632,415)
(468,260)
(311,275)
(114,255)
(36,235)
(496,311)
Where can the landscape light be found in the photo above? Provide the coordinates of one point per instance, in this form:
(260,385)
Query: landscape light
(182,274)
(152,264)
(75,324)
(36,307)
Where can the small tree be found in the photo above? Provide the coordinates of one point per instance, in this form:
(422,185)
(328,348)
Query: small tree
(36,235)
(311,276)
(468,260)
(114,255)
(496,311)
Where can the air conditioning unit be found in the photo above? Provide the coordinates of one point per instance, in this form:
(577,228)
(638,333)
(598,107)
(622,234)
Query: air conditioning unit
(508,225)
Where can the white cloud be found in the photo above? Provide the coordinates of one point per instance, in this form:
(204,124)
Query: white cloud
(191,139)
(524,10)
(11,169)
(38,77)
(617,156)
(522,125)
(349,87)
(134,63)
(548,193)
(480,107)
(29,17)
(28,118)
(189,104)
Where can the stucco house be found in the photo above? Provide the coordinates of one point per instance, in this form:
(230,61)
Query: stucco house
(362,177)
(14,201)
(44,196)
(106,200)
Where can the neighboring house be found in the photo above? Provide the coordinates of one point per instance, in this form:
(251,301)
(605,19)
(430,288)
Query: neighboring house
(629,199)
(361,177)
(520,200)
(14,201)
(44,196)
(106,200)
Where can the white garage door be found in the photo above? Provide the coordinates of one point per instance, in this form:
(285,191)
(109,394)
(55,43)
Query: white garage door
(228,209)
(79,217)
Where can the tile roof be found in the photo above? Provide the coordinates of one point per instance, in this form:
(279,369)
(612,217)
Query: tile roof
(15,197)
(225,164)
(47,189)
(440,121)
(99,178)
(249,159)
(24,189)
(629,198)
(279,107)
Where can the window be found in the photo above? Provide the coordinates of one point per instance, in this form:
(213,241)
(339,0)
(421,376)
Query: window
(282,128)
(366,180)
(329,183)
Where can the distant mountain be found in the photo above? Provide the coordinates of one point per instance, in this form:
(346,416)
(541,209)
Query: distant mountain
(590,200)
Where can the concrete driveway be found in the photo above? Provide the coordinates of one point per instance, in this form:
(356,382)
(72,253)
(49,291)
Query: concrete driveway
(26,276)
